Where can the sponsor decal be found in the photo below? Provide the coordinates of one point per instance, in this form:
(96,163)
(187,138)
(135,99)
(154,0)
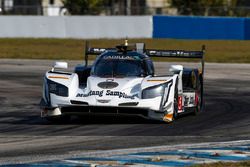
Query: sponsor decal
(99,50)
(119,94)
(107,93)
(91,93)
(120,57)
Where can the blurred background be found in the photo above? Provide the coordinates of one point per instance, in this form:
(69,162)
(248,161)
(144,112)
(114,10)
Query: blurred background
(237,8)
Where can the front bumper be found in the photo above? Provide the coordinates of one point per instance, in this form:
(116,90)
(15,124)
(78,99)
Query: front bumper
(97,110)
(150,104)
(146,108)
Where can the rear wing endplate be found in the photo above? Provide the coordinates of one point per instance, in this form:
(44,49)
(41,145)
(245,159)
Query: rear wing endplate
(94,51)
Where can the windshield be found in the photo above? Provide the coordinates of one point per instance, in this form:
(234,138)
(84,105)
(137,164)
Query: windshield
(118,68)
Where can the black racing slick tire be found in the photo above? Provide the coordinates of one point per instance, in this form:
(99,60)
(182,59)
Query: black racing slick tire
(175,116)
(199,90)
(202,105)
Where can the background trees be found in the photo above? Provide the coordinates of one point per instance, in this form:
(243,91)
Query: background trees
(206,7)
(184,7)
(81,7)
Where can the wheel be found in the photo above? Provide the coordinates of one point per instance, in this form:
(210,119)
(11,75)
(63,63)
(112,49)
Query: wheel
(175,116)
(197,109)
(199,96)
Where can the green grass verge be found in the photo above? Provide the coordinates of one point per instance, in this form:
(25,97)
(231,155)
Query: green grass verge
(225,164)
(73,49)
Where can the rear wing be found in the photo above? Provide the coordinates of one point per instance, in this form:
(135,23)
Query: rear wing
(140,47)
(179,54)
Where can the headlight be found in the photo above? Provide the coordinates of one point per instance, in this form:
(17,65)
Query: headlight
(153,92)
(57,88)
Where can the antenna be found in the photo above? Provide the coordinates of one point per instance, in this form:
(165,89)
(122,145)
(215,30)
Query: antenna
(126,42)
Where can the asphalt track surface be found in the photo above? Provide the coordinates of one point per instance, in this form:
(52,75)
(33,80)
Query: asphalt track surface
(24,134)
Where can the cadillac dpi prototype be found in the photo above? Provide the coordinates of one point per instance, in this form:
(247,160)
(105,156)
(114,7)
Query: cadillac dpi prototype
(122,81)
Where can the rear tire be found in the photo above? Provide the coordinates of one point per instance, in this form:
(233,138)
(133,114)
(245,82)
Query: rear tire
(197,109)
(202,105)
(199,106)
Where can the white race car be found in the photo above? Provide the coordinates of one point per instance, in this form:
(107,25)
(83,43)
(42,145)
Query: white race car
(122,81)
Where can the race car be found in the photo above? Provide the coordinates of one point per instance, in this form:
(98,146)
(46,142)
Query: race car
(122,81)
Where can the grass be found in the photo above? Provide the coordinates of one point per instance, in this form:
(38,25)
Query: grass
(225,164)
(73,49)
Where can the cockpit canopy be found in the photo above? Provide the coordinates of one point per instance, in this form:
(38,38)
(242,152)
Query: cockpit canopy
(116,64)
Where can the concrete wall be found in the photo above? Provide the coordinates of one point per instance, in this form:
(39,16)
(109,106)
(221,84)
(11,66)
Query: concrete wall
(34,27)
(76,27)
(86,27)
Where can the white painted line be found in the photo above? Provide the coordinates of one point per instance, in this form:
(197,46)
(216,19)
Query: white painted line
(76,162)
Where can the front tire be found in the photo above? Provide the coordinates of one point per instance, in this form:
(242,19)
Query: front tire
(175,112)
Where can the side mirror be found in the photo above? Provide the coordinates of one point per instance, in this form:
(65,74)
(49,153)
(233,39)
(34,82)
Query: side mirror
(176,68)
(63,65)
